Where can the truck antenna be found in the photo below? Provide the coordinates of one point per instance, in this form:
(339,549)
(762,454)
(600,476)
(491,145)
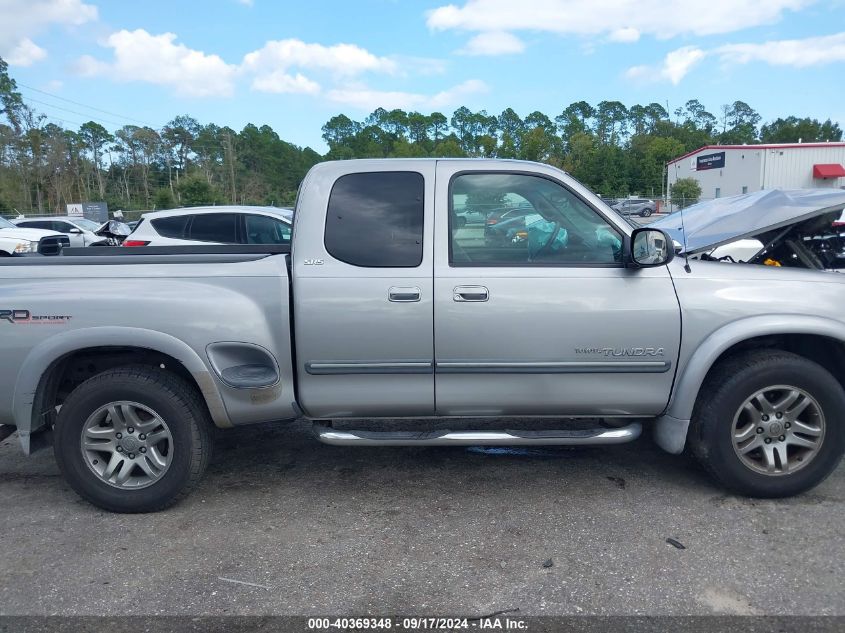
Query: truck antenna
(684,233)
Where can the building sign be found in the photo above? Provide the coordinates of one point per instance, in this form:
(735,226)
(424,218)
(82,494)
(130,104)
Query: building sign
(710,161)
(95,211)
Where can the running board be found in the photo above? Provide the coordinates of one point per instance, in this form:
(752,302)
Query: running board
(586,437)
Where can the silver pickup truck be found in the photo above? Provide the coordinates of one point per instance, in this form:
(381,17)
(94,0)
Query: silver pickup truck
(386,308)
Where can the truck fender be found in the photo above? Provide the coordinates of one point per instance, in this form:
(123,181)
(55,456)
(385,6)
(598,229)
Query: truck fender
(43,355)
(670,430)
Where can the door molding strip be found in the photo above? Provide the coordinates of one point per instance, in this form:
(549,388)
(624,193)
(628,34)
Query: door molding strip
(554,367)
(329,368)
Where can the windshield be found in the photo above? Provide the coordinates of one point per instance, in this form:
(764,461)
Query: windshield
(88,225)
(5,224)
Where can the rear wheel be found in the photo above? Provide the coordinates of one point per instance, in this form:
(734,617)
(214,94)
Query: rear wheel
(769,424)
(133,439)
(645,213)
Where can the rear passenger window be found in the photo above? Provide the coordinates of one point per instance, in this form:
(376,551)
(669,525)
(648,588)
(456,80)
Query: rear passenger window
(376,219)
(173,227)
(215,227)
(261,229)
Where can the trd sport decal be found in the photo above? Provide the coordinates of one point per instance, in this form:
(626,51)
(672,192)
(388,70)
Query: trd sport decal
(25,317)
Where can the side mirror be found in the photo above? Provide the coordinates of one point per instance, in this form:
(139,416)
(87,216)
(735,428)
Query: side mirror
(650,248)
(75,231)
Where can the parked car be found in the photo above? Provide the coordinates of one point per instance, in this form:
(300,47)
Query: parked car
(500,221)
(17,240)
(379,310)
(80,231)
(213,225)
(636,206)
(772,227)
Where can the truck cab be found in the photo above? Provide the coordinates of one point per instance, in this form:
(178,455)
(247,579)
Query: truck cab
(394,296)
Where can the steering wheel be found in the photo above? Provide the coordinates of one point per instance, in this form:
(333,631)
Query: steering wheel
(549,242)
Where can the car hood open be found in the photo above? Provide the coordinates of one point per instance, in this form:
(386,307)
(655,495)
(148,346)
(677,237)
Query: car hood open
(716,222)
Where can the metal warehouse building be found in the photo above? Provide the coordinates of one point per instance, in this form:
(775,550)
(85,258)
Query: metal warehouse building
(728,170)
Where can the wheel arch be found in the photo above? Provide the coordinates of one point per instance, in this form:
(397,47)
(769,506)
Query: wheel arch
(44,369)
(816,338)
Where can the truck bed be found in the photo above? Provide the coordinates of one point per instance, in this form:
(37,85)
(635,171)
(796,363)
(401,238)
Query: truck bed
(176,301)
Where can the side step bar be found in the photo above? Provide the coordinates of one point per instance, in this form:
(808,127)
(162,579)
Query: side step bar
(619,435)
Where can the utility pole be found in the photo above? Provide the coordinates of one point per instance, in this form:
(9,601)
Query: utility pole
(231,153)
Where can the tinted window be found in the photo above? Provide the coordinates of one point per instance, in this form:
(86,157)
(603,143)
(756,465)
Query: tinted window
(173,227)
(63,227)
(548,224)
(376,219)
(261,229)
(37,224)
(215,227)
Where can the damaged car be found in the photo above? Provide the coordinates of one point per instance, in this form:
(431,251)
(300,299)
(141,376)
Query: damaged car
(798,228)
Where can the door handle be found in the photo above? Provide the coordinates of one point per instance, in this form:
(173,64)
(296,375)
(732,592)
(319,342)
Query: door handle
(403,295)
(470,293)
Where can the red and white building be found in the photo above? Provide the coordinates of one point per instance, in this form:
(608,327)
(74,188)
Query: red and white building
(728,170)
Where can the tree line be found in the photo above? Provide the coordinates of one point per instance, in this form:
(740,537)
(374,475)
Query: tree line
(616,150)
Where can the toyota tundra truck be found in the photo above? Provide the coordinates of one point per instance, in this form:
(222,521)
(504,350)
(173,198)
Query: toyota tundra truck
(386,322)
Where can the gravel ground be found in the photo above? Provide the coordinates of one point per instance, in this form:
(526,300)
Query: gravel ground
(284,525)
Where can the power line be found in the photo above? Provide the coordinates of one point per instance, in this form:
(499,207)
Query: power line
(82,114)
(55,96)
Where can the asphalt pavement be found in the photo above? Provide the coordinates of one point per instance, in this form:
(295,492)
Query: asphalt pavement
(285,525)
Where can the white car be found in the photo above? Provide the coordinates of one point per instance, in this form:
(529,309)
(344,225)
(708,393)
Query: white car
(80,231)
(213,225)
(15,240)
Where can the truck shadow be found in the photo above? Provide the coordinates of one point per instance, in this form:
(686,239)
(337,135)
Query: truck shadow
(248,457)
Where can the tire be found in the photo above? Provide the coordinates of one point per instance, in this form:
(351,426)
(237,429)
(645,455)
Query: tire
(160,402)
(645,213)
(722,416)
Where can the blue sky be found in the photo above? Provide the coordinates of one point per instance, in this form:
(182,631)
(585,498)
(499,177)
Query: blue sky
(293,65)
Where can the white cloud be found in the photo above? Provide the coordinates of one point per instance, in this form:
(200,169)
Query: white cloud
(494,43)
(246,3)
(288,66)
(339,59)
(21,20)
(25,53)
(810,51)
(158,59)
(624,35)
(282,83)
(454,94)
(271,65)
(675,66)
(608,17)
(366,99)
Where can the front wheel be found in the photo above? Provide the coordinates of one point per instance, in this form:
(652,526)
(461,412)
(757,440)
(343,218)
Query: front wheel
(133,439)
(769,424)
(645,213)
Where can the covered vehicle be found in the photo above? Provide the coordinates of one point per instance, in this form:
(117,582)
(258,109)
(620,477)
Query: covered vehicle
(113,232)
(772,227)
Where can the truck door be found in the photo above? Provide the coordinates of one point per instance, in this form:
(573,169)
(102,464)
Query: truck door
(535,313)
(363,289)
